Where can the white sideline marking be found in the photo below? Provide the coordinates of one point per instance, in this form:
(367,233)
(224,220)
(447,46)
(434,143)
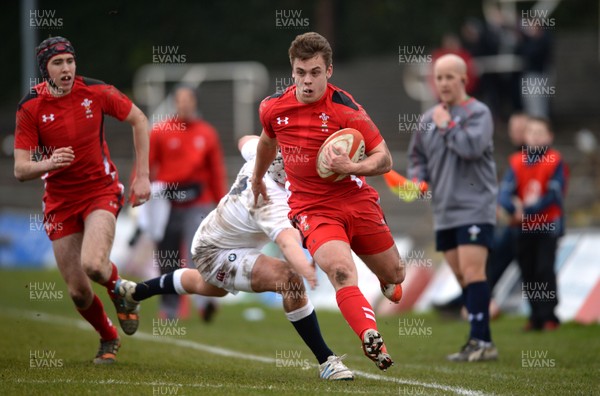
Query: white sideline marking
(172,385)
(55,319)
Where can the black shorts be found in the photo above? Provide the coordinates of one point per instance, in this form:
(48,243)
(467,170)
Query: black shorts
(472,234)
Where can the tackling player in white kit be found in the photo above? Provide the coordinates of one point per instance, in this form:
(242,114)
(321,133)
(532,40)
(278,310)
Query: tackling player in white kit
(226,251)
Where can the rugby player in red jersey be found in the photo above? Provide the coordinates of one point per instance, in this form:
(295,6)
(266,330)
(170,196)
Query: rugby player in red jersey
(63,119)
(333,218)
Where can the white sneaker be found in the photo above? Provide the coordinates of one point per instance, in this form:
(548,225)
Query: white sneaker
(334,370)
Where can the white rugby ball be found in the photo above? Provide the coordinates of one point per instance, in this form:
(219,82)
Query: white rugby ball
(348,139)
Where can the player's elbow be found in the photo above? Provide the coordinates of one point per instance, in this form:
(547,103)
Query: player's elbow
(138,119)
(19,174)
(387,163)
(142,121)
(390,164)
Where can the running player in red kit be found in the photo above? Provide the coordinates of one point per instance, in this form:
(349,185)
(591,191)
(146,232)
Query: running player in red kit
(333,218)
(63,118)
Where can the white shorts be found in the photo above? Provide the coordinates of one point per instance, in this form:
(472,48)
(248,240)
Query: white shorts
(228,269)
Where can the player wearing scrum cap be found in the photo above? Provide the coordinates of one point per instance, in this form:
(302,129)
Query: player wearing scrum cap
(62,119)
(226,251)
(333,218)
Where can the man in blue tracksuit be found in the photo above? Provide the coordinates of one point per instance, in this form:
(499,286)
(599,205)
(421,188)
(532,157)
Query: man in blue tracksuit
(454,155)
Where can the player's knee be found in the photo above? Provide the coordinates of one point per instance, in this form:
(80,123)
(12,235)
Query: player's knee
(290,286)
(341,276)
(81,295)
(398,275)
(95,269)
(394,277)
(290,279)
(472,277)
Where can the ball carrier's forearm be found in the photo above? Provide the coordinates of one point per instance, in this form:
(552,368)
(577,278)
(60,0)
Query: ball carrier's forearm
(375,164)
(378,162)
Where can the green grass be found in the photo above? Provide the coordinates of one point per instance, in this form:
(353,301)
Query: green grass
(182,364)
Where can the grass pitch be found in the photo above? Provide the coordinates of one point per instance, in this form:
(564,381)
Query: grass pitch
(47,350)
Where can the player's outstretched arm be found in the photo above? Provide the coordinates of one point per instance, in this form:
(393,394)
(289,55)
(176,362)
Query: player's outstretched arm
(27,169)
(140,187)
(288,241)
(265,154)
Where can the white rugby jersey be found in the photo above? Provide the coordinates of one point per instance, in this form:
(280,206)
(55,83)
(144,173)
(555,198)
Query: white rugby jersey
(235,222)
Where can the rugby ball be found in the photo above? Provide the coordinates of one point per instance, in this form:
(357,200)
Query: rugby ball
(392,292)
(348,139)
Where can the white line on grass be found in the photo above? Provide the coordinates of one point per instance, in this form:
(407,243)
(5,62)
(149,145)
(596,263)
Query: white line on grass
(55,319)
(162,384)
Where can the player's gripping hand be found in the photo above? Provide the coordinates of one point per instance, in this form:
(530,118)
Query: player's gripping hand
(259,188)
(140,191)
(61,158)
(338,161)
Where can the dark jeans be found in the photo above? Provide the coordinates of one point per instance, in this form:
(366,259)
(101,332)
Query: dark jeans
(536,254)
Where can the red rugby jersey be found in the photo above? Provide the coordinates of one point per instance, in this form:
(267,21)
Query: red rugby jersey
(45,123)
(301,129)
(189,153)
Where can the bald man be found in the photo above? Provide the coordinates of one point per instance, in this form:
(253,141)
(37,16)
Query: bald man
(455,157)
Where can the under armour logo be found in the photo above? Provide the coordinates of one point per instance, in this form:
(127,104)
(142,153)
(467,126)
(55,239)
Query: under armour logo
(45,118)
(284,121)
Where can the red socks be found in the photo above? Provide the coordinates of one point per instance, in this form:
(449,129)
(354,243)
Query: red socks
(112,281)
(96,316)
(356,309)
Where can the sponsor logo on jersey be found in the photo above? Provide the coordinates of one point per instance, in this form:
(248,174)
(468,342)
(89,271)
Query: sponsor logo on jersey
(46,118)
(283,120)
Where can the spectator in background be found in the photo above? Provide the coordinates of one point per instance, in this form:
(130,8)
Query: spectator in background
(455,158)
(536,50)
(451,45)
(532,191)
(186,161)
(481,39)
(504,249)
